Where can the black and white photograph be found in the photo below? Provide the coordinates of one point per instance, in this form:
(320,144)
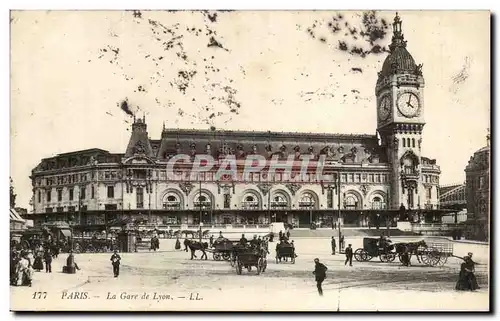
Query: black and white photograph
(245,160)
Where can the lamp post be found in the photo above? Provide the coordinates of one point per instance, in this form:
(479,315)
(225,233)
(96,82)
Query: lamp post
(199,204)
(338,205)
(269,204)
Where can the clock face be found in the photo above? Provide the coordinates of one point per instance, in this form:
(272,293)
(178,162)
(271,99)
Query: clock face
(408,104)
(385,107)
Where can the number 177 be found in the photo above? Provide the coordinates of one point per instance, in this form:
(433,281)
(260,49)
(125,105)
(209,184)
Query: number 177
(39,295)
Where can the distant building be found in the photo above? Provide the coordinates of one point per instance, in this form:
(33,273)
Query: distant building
(478,194)
(453,197)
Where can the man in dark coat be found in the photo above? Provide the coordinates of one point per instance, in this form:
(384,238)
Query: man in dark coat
(254,242)
(320,274)
(243,240)
(348,255)
(211,240)
(48,261)
(281,235)
(334,245)
(115,261)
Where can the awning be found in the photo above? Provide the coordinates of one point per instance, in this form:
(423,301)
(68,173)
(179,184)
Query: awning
(66,233)
(14,216)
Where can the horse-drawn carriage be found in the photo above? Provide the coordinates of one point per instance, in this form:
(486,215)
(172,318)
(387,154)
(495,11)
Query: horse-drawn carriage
(372,249)
(285,251)
(223,249)
(250,256)
(430,254)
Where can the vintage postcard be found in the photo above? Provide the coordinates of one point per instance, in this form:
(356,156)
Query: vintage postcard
(250,160)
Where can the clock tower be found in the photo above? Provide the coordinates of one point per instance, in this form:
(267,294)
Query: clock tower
(400,119)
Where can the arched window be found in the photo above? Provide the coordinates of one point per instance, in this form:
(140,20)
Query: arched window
(408,142)
(351,202)
(409,166)
(202,200)
(306,200)
(377,203)
(413,142)
(404,142)
(250,201)
(171,201)
(279,200)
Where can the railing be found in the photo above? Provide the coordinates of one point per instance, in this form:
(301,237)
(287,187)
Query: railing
(203,205)
(249,205)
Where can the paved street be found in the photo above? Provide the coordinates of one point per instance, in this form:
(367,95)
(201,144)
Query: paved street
(365,286)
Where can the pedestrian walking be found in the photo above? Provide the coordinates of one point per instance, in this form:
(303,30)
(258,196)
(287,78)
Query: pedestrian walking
(177,244)
(320,274)
(115,261)
(342,242)
(348,255)
(211,240)
(48,261)
(334,245)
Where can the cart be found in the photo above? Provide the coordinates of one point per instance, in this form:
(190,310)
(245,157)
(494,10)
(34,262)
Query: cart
(285,251)
(251,257)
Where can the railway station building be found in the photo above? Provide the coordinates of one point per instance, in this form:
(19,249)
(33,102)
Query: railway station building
(370,177)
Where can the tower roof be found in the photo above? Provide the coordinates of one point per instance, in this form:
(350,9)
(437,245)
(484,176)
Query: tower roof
(399,59)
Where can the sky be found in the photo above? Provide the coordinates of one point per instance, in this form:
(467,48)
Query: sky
(76,76)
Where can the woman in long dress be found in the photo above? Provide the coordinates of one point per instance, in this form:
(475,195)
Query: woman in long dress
(177,244)
(38,263)
(466,278)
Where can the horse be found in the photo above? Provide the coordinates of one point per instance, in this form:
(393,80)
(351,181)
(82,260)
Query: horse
(411,247)
(188,232)
(195,246)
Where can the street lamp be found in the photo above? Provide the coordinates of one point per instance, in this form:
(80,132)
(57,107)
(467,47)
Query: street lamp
(338,205)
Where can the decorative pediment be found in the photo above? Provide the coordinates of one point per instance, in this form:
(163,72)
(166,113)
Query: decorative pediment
(225,187)
(140,148)
(186,187)
(364,189)
(409,154)
(264,188)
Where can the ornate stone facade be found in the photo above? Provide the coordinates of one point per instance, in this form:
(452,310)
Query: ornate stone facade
(375,173)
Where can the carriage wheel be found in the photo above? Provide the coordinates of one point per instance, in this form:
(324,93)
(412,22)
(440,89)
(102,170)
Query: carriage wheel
(384,258)
(391,257)
(216,256)
(358,255)
(442,260)
(431,257)
(239,268)
(226,256)
(365,256)
(260,264)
